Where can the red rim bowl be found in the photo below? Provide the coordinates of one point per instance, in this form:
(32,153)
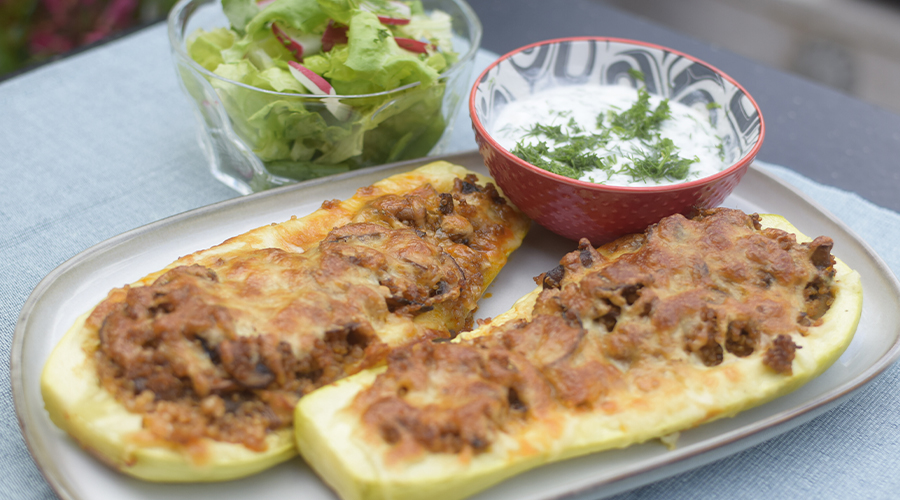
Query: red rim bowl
(577,209)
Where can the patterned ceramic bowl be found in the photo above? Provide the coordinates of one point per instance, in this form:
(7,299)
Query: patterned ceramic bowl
(578,209)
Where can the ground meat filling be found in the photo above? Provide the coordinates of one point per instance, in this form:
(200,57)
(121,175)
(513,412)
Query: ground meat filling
(780,354)
(698,291)
(225,351)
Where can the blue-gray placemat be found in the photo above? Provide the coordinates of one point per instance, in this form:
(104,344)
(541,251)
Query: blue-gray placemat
(103,142)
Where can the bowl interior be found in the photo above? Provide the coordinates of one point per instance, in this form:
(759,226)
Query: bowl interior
(667,74)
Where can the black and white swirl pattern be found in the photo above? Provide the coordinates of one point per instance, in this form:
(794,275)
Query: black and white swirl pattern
(609,62)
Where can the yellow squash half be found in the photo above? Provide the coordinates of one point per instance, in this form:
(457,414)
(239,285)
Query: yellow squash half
(259,300)
(356,460)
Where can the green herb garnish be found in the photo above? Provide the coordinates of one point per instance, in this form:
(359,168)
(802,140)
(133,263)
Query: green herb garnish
(639,121)
(574,149)
(573,152)
(658,161)
(533,153)
(574,127)
(552,132)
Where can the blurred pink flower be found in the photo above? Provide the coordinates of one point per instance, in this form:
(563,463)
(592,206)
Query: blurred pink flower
(32,30)
(61,25)
(44,42)
(118,15)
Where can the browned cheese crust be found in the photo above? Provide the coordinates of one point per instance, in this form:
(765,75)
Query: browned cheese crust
(608,320)
(224,349)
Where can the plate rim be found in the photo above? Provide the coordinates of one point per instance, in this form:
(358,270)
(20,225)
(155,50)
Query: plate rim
(810,409)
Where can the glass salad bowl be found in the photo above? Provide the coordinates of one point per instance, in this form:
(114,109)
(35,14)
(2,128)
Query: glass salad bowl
(255,139)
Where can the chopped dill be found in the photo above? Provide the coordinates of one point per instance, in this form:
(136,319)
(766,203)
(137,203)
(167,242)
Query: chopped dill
(571,150)
(533,153)
(572,156)
(574,127)
(552,132)
(590,141)
(659,161)
(639,121)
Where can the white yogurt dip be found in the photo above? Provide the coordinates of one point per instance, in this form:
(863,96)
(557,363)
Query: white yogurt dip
(688,128)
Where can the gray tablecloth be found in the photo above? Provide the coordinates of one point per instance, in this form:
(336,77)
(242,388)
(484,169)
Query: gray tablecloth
(103,142)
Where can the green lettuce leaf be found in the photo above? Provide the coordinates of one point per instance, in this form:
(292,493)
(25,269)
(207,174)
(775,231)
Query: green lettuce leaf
(374,59)
(304,15)
(239,13)
(206,47)
(436,27)
(261,48)
(340,10)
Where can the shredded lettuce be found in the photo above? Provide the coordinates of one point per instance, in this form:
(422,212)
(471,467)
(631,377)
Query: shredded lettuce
(436,27)
(300,138)
(304,15)
(239,13)
(206,47)
(339,10)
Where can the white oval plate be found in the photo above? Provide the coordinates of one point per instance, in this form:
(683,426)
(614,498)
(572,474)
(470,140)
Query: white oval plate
(78,284)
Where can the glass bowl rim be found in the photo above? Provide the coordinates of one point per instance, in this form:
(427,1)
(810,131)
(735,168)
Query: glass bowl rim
(176,41)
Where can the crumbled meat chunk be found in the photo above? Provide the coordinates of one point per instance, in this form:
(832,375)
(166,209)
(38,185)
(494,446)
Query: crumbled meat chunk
(446,207)
(552,278)
(468,185)
(819,296)
(741,339)
(702,341)
(780,355)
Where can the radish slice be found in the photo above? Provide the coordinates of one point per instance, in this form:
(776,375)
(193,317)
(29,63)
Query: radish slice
(300,45)
(319,86)
(397,13)
(392,20)
(315,83)
(413,45)
(333,35)
(262,4)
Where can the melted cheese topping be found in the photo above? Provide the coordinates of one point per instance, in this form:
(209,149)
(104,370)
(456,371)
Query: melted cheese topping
(644,317)
(222,343)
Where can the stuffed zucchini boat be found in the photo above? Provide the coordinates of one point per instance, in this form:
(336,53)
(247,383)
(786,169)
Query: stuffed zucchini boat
(193,372)
(694,320)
